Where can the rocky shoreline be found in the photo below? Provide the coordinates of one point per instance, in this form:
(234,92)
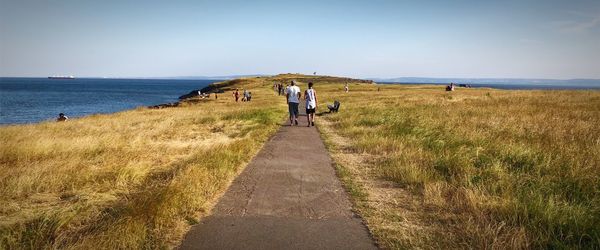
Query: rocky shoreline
(197,94)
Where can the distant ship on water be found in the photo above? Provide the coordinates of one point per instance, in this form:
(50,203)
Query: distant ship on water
(61,77)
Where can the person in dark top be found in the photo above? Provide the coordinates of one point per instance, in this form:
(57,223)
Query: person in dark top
(280,88)
(236,95)
(62,117)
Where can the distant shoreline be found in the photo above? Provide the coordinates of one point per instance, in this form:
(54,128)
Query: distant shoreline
(511,86)
(35,100)
(209,87)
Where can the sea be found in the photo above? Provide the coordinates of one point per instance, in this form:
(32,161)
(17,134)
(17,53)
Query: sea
(31,100)
(521,86)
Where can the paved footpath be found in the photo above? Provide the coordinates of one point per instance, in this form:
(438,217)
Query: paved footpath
(288,197)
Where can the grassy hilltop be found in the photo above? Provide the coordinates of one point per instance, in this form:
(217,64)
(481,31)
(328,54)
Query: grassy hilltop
(473,168)
(134,179)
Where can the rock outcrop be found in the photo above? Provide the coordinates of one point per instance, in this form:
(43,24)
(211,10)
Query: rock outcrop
(165,105)
(192,93)
(220,86)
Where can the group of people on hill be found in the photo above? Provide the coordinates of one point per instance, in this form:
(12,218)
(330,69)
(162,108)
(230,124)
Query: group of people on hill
(279,88)
(293,96)
(247,95)
(452,86)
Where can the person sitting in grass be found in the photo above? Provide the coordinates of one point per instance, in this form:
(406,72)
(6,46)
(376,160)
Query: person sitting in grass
(293,99)
(62,117)
(310,95)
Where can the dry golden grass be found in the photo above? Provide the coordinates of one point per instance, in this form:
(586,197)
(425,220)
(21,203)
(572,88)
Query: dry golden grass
(134,179)
(474,168)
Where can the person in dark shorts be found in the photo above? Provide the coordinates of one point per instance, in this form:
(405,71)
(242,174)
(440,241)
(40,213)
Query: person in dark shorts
(310,95)
(293,99)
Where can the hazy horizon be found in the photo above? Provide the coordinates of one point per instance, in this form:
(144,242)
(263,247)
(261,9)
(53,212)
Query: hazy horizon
(225,77)
(378,39)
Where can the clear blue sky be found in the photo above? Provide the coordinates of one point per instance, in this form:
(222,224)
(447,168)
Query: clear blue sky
(523,39)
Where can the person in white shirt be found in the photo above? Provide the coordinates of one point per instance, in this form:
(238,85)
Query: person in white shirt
(245,96)
(293,99)
(310,95)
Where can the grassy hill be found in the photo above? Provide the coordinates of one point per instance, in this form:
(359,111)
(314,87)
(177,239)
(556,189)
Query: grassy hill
(133,179)
(473,168)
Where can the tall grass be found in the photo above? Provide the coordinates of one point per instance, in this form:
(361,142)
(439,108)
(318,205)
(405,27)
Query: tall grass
(475,168)
(134,179)
(494,168)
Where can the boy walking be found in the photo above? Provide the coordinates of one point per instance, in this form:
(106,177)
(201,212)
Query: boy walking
(310,95)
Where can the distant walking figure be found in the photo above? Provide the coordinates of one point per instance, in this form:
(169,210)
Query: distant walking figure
(236,95)
(293,99)
(245,97)
(310,95)
(62,117)
(346,88)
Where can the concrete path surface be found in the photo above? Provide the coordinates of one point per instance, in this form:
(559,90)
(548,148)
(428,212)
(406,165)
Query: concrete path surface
(288,197)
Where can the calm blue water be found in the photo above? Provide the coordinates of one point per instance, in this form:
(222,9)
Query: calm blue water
(522,86)
(27,100)
(537,86)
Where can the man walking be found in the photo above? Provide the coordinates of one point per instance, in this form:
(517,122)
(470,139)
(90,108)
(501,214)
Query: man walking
(293,99)
(280,88)
(236,95)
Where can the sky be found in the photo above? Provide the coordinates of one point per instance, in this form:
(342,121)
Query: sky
(460,38)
